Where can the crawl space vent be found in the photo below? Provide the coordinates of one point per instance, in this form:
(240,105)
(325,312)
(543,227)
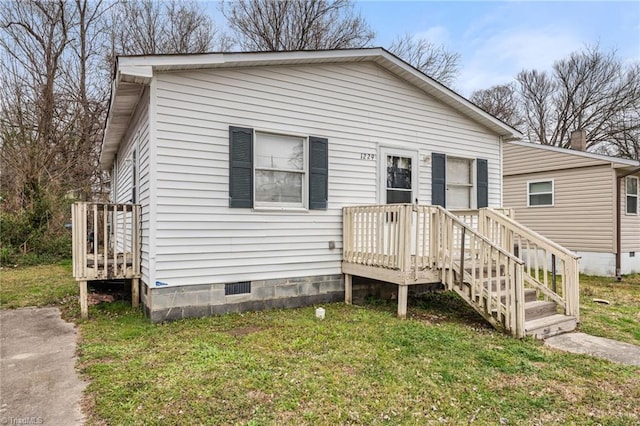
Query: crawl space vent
(243,287)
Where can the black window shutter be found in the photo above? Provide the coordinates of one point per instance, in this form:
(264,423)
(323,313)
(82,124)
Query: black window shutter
(482,181)
(318,173)
(240,167)
(438,179)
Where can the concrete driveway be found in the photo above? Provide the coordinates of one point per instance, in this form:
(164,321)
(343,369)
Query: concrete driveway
(38,382)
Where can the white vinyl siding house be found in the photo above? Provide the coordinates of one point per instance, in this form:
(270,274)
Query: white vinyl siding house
(581,214)
(361,107)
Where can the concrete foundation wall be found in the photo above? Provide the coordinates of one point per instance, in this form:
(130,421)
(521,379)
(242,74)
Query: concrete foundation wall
(173,303)
(605,263)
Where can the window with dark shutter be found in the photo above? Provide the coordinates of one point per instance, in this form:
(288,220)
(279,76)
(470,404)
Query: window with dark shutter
(318,173)
(270,170)
(482,171)
(240,167)
(438,179)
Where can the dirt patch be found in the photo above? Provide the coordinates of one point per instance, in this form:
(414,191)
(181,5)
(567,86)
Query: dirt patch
(95,298)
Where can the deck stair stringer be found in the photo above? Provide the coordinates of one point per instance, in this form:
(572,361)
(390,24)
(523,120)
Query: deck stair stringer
(542,317)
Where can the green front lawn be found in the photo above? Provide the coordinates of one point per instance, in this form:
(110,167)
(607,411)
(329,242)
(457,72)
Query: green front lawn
(620,319)
(36,285)
(361,365)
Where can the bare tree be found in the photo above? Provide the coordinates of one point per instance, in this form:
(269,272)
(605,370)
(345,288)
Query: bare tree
(54,83)
(589,90)
(34,40)
(272,25)
(501,101)
(161,26)
(433,60)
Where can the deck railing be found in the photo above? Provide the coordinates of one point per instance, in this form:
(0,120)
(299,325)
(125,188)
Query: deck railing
(409,238)
(106,241)
(550,268)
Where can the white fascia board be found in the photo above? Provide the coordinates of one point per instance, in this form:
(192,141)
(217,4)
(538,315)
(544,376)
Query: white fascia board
(105,148)
(214,60)
(140,74)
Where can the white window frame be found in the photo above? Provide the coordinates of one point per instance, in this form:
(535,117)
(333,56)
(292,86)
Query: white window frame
(553,191)
(627,195)
(264,205)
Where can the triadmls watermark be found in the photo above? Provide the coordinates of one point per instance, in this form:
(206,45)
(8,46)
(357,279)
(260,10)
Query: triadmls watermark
(21,420)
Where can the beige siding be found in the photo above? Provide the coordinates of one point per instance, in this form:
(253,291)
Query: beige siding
(521,159)
(630,224)
(582,218)
(358,107)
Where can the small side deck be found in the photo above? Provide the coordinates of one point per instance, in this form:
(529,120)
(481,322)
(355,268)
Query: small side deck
(106,246)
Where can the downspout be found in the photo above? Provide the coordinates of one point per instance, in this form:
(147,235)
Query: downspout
(618,222)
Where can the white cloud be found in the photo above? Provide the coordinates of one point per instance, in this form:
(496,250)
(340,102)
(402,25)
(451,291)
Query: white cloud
(497,58)
(438,35)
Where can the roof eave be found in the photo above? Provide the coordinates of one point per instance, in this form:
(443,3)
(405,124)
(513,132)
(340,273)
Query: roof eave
(137,71)
(126,89)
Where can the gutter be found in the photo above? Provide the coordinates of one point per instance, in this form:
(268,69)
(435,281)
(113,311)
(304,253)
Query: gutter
(618,222)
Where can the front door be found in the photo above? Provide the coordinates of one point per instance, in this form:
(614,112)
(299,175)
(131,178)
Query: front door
(398,176)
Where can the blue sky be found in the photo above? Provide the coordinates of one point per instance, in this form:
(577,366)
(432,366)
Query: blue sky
(498,39)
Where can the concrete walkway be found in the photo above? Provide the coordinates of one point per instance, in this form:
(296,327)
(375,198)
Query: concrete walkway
(581,343)
(38,384)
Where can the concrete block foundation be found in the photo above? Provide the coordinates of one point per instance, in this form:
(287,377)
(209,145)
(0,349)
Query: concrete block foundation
(194,301)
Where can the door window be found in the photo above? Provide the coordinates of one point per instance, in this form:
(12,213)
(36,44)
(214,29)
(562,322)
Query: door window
(399,179)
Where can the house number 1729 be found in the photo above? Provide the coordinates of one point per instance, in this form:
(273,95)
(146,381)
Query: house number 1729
(367,156)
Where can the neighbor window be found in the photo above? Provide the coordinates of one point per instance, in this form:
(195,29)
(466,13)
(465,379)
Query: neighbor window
(280,170)
(540,193)
(632,195)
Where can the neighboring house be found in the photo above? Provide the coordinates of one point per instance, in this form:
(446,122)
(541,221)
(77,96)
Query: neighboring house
(583,201)
(242,163)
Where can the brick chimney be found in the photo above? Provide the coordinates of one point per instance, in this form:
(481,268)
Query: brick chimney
(579,140)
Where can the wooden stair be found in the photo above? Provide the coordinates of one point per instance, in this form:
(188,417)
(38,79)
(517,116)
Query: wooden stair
(542,318)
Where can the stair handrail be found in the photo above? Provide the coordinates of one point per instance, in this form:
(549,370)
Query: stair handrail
(479,235)
(508,313)
(570,298)
(525,230)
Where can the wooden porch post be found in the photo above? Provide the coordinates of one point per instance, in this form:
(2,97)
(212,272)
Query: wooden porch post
(403,292)
(348,289)
(84,303)
(135,292)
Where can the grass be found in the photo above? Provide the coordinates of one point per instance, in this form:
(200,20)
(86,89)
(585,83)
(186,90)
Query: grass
(361,365)
(620,319)
(36,285)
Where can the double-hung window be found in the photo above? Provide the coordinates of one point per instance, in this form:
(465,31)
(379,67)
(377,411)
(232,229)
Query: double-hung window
(274,170)
(540,193)
(459,183)
(632,194)
(280,172)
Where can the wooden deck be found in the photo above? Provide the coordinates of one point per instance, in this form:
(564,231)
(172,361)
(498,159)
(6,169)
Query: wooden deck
(491,261)
(106,246)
